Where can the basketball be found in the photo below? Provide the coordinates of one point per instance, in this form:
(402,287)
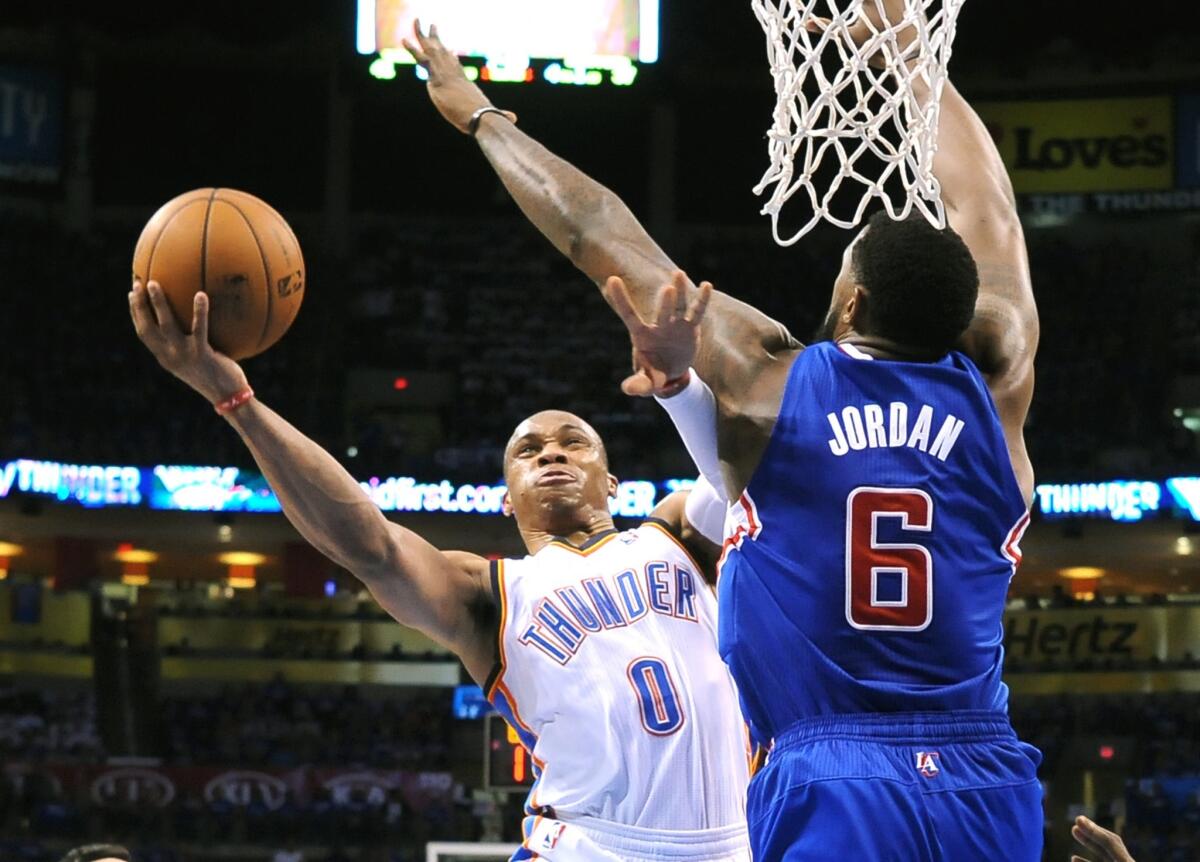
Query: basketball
(239,251)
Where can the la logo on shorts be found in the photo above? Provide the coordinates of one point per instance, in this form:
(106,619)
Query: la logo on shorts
(927,763)
(550,839)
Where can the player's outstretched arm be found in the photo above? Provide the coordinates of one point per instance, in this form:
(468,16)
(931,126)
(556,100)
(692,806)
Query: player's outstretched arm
(590,224)
(445,597)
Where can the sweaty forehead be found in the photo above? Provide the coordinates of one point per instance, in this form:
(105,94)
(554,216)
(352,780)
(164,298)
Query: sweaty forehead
(551,422)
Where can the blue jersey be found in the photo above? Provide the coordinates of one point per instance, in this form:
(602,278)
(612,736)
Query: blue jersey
(874,545)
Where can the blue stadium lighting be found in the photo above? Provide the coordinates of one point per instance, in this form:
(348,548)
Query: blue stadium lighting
(93,486)
(1120,501)
(330,589)
(1186,491)
(186,488)
(469,703)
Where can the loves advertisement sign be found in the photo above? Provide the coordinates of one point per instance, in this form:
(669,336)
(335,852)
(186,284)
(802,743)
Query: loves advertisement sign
(1085,145)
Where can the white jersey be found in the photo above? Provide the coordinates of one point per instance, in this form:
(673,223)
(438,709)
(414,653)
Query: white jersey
(610,674)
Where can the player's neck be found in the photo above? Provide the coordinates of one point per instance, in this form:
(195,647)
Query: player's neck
(885,348)
(577,534)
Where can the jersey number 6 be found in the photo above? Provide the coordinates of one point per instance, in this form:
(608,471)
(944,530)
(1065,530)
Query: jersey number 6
(889,586)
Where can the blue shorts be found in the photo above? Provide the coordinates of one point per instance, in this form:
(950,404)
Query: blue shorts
(908,787)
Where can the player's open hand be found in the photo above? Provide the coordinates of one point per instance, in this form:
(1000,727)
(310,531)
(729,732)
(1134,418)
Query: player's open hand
(1104,846)
(456,98)
(188,356)
(663,349)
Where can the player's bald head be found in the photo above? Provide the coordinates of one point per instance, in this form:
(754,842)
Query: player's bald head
(552,422)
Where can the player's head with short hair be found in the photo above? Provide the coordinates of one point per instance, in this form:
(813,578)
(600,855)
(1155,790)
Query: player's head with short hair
(905,281)
(556,469)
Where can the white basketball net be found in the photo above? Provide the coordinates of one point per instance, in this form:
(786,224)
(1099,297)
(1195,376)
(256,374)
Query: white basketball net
(887,108)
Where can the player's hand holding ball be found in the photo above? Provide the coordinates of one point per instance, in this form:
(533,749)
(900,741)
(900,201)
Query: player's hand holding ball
(456,98)
(188,356)
(218,276)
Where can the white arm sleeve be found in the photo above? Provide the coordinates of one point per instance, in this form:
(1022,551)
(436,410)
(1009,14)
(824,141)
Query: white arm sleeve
(694,412)
(705,510)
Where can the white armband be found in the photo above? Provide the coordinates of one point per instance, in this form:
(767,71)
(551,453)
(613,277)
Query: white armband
(705,510)
(694,412)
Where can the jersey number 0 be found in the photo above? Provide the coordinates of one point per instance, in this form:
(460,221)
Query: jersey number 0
(889,586)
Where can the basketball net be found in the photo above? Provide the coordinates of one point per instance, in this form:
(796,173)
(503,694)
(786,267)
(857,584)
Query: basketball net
(881,101)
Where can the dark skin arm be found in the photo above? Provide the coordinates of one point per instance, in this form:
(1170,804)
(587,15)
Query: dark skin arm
(980,205)
(446,595)
(594,228)
(1001,340)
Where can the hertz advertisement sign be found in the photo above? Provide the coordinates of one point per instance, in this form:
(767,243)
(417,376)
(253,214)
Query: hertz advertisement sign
(1098,634)
(1092,145)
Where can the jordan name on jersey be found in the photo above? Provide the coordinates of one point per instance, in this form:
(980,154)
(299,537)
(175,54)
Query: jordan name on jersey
(871,427)
(563,619)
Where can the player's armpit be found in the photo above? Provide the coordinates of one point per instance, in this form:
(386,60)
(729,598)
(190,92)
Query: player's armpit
(672,512)
(444,594)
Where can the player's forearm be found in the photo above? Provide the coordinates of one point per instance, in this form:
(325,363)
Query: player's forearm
(968,165)
(584,220)
(318,496)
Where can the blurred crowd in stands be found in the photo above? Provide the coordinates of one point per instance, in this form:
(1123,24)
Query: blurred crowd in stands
(272,726)
(1152,739)
(511,328)
(1151,743)
(280,726)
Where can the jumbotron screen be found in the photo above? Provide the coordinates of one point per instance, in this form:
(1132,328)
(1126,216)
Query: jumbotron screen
(583,42)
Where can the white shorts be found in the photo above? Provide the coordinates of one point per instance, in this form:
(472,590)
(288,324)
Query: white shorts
(588,840)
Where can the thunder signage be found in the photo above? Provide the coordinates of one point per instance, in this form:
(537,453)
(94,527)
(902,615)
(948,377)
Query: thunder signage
(183,488)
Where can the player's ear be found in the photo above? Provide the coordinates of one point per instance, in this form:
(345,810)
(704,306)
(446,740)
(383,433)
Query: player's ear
(506,505)
(855,306)
(613,484)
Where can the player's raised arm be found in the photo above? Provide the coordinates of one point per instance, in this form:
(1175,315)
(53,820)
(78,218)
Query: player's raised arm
(445,597)
(981,207)
(587,222)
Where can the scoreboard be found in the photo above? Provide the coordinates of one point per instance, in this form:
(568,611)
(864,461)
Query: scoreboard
(506,764)
(581,42)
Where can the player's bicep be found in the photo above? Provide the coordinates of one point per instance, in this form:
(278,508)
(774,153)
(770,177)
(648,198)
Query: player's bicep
(443,594)
(1002,338)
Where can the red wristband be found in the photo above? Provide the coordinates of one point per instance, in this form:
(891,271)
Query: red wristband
(232,403)
(673,387)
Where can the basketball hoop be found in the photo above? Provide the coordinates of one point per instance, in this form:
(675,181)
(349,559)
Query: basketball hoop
(881,103)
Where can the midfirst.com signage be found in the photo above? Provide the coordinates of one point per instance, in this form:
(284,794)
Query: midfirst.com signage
(1098,634)
(1092,145)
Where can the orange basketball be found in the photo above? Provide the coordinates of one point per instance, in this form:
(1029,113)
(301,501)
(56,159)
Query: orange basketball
(236,249)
